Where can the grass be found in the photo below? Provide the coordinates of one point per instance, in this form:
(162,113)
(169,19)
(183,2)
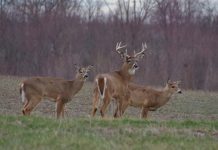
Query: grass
(187,121)
(33,132)
(193,105)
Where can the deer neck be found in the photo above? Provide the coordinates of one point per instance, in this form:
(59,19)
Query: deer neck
(76,85)
(124,73)
(165,96)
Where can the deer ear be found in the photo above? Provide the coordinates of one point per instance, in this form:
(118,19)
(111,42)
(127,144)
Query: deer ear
(77,67)
(169,81)
(127,58)
(140,56)
(124,55)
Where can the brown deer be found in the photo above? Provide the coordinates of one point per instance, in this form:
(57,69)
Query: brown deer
(114,85)
(150,99)
(61,91)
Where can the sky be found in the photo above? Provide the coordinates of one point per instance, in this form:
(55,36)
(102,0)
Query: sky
(112,4)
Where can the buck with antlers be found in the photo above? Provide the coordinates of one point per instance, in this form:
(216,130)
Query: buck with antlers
(114,85)
(150,99)
(61,91)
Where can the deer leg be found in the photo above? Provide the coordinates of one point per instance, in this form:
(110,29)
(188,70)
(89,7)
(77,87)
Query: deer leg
(26,103)
(62,111)
(95,103)
(106,101)
(144,113)
(24,106)
(60,107)
(124,106)
(118,110)
(123,103)
(30,105)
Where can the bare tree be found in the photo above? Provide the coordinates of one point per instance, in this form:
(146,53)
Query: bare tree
(45,37)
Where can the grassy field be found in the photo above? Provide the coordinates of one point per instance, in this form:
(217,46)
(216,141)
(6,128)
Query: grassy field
(46,133)
(188,121)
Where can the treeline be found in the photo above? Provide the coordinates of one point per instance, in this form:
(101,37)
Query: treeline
(46,37)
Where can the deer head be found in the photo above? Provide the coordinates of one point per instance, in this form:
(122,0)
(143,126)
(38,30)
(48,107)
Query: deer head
(130,61)
(173,86)
(82,72)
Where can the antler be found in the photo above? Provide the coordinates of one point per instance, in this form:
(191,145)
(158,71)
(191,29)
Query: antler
(178,82)
(141,53)
(90,67)
(119,47)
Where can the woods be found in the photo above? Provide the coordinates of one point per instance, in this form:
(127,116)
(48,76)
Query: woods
(46,37)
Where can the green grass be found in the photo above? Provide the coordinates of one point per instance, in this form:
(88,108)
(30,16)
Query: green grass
(33,132)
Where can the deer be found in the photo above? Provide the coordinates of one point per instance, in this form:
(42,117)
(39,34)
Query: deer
(150,99)
(114,85)
(61,91)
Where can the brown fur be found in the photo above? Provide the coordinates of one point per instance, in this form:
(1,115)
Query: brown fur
(115,84)
(150,99)
(101,84)
(116,88)
(58,90)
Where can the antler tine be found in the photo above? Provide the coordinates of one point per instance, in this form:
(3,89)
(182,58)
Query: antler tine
(118,47)
(144,47)
(178,82)
(126,52)
(90,67)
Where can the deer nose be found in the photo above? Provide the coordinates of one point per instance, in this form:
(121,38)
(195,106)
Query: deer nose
(180,92)
(86,76)
(135,66)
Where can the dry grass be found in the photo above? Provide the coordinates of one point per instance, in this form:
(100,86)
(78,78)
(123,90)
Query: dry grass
(189,105)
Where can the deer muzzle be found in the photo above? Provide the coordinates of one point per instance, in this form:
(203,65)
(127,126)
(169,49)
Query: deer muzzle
(179,91)
(135,66)
(85,76)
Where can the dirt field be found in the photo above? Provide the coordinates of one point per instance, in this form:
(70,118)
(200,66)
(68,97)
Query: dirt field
(194,105)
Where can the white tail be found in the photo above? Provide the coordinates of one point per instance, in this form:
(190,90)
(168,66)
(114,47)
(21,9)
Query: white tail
(23,98)
(102,87)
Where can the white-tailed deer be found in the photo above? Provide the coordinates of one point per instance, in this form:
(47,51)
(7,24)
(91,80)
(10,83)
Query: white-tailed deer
(114,85)
(61,91)
(150,99)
